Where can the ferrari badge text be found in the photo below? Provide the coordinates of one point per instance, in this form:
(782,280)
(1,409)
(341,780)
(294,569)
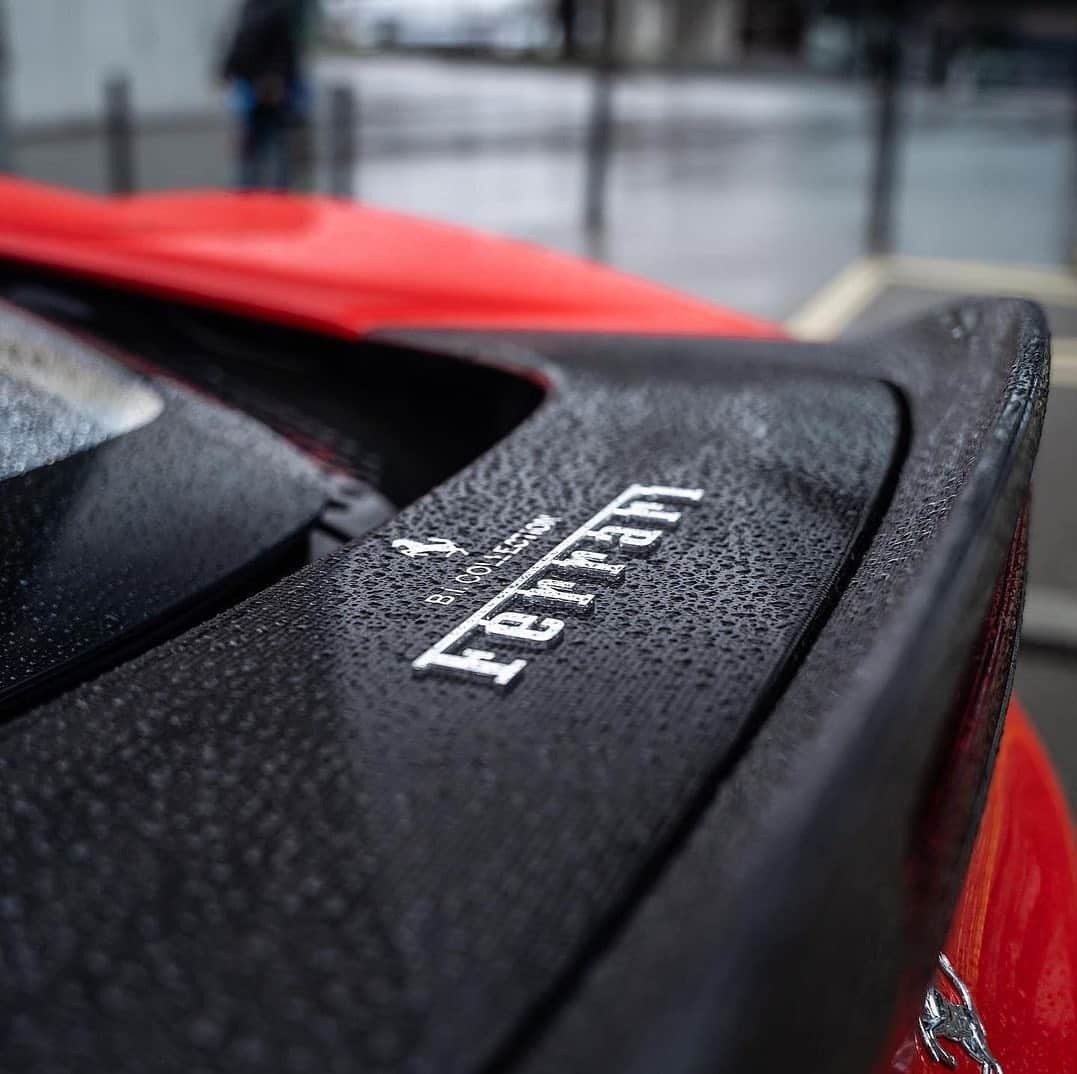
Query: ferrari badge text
(530,613)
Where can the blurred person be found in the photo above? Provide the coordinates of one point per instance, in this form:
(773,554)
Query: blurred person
(565,15)
(265,64)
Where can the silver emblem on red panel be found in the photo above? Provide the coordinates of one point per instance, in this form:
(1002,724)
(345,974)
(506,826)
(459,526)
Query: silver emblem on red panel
(954,1018)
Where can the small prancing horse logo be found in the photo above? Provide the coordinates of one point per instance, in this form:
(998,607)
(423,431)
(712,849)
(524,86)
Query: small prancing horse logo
(436,546)
(955,1019)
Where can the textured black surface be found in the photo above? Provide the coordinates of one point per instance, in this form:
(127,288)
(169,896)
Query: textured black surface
(58,397)
(782,936)
(40,428)
(291,853)
(116,535)
(400,421)
(679,843)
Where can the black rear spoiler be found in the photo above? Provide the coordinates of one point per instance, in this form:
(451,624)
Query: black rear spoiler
(654,739)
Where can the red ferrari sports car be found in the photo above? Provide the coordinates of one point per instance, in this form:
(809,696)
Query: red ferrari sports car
(425,652)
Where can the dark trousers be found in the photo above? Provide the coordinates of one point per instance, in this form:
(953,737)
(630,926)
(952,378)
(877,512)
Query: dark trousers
(264,152)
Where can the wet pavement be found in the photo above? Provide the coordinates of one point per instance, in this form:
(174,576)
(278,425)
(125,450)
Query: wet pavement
(746,190)
(743,189)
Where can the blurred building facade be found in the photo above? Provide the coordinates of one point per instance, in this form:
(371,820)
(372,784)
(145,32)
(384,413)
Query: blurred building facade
(62,52)
(689,31)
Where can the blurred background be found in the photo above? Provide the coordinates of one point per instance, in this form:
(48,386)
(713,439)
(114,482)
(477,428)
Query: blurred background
(832,164)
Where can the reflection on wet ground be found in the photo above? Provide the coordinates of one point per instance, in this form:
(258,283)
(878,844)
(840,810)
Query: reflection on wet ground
(744,189)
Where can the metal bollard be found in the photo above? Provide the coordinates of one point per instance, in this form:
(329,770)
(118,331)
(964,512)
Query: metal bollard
(600,127)
(599,142)
(119,136)
(1069,255)
(343,140)
(6,155)
(887,134)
